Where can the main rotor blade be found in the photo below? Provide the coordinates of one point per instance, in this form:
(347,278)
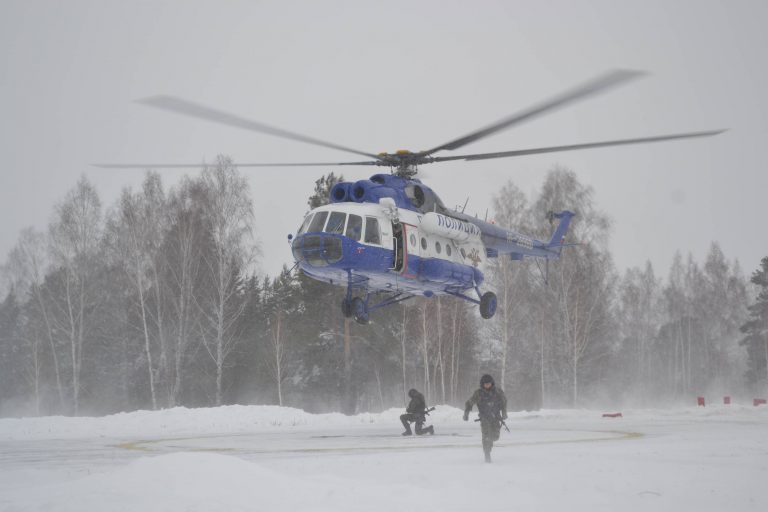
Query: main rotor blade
(594,86)
(573,147)
(187,166)
(191,109)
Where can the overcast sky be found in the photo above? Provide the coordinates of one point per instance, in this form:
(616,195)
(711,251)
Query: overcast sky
(396,75)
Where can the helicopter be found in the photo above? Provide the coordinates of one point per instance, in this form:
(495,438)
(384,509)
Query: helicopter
(390,238)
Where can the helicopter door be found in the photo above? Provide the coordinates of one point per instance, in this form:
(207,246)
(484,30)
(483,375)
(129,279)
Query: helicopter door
(412,251)
(398,246)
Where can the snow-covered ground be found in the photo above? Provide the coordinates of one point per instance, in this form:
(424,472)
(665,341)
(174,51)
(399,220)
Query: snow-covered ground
(269,458)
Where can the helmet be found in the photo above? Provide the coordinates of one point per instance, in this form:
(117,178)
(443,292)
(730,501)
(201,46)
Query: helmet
(412,393)
(486,379)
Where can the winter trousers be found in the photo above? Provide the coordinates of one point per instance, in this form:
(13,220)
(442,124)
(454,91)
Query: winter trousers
(491,428)
(409,418)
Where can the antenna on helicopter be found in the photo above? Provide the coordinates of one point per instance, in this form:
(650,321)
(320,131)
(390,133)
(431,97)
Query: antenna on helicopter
(465,205)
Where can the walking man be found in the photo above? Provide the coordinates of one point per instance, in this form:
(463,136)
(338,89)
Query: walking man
(416,413)
(492,406)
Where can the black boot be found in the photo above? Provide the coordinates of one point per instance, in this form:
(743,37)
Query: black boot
(407,433)
(430,430)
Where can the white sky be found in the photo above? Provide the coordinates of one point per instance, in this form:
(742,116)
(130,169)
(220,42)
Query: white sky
(391,75)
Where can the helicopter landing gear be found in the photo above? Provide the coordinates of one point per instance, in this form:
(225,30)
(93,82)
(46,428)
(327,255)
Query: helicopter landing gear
(346,307)
(488,305)
(355,308)
(360,311)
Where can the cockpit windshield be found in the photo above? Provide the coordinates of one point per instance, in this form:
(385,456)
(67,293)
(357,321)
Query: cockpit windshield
(305,224)
(336,223)
(318,221)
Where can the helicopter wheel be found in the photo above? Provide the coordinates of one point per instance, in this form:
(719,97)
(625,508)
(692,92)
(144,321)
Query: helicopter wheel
(360,311)
(346,308)
(488,305)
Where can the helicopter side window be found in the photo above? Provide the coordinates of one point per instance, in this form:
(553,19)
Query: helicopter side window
(318,222)
(424,243)
(413,240)
(354,227)
(448,249)
(372,235)
(304,224)
(438,248)
(336,223)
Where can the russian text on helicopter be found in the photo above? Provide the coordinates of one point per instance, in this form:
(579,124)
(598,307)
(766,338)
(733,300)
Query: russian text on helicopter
(390,236)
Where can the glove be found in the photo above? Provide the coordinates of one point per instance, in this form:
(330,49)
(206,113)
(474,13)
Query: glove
(466,416)
(503,417)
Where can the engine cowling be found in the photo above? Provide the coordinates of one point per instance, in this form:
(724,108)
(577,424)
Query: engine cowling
(449,227)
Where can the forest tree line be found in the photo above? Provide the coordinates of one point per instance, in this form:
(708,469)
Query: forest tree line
(155,302)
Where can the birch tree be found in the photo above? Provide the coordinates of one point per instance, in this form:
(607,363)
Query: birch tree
(229,216)
(74,241)
(509,277)
(579,294)
(28,264)
(182,260)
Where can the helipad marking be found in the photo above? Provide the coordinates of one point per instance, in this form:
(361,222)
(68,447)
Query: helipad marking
(145,445)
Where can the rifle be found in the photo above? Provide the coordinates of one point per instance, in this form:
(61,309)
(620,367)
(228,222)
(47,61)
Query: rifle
(426,413)
(501,421)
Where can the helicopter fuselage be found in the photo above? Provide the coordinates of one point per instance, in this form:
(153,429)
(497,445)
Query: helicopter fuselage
(347,241)
(394,235)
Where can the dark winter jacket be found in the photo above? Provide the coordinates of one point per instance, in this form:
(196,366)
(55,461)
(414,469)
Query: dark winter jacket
(491,404)
(417,404)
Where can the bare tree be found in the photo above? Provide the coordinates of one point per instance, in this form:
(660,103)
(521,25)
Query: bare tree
(229,214)
(510,210)
(132,247)
(277,337)
(74,240)
(579,299)
(640,315)
(425,346)
(28,264)
(182,263)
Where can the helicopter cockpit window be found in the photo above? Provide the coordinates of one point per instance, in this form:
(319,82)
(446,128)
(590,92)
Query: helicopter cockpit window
(354,227)
(372,235)
(317,222)
(336,223)
(304,224)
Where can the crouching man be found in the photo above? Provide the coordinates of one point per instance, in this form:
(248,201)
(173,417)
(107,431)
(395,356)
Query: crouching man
(416,413)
